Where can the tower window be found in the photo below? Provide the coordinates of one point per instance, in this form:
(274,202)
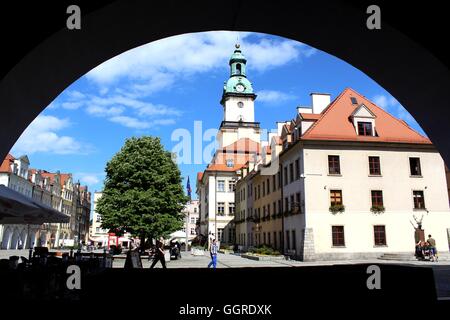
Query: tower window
(238,68)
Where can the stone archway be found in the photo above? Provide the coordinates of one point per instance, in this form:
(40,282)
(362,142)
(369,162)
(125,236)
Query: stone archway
(23,238)
(14,239)
(401,66)
(7,235)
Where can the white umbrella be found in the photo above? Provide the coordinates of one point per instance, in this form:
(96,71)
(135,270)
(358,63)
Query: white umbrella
(15,208)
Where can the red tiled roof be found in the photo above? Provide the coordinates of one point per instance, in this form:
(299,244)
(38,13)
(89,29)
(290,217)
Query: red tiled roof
(310,116)
(199,176)
(64,178)
(224,167)
(334,123)
(244,145)
(6,163)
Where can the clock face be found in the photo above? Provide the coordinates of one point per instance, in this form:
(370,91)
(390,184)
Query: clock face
(240,104)
(240,88)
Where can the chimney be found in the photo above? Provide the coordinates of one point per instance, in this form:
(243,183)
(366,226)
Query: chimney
(319,101)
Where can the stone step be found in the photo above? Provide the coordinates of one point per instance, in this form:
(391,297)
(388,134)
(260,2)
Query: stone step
(398,256)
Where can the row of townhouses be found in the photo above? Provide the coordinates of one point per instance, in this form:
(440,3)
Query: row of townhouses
(342,179)
(56,190)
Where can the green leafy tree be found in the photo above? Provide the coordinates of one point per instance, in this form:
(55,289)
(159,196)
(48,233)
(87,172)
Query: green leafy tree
(143,191)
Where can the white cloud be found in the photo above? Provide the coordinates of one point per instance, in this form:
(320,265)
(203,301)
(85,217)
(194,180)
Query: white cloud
(130,122)
(71,105)
(274,97)
(88,178)
(163,122)
(41,136)
(103,111)
(156,64)
(75,95)
(384,101)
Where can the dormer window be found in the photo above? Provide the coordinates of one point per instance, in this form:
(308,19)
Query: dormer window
(230,163)
(365,129)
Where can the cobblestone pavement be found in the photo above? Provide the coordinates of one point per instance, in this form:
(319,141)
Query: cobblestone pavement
(235,261)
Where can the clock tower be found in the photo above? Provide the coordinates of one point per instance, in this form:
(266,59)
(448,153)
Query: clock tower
(238,103)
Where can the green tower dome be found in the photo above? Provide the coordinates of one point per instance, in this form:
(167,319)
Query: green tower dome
(238,84)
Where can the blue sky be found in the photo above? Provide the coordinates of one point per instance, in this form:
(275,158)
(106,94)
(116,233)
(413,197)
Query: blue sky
(169,84)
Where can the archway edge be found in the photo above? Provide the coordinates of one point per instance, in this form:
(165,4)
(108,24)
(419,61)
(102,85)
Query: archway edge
(409,72)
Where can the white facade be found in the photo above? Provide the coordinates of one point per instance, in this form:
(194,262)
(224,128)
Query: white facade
(309,233)
(16,177)
(191,216)
(98,235)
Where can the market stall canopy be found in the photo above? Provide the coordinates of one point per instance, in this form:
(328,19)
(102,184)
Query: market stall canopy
(15,208)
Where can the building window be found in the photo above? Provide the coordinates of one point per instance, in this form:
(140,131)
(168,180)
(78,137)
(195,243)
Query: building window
(230,163)
(220,234)
(414,165)
(264,188)
(336,197)
(291,172)
(275,240)
(297,169)
(279,206)
(268,186)
(379,233)
(274,208)
(279,179)
(374,166)
(294,240)
(221,185)
(334,166)
(365,129)
(231,185)
(288,240)
(264,238)
(195,210)
(338,236)
(220,208)
(285,175)
(419,200)
(377,198)
(259,191)
(193,220)
(292,202)
(286,204)
(274,184)
(268,238)
(192,231)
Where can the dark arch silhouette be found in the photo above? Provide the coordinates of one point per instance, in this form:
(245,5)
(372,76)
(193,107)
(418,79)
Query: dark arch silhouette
(404,68)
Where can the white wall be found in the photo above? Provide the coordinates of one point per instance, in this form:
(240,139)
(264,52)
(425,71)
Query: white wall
(356,186)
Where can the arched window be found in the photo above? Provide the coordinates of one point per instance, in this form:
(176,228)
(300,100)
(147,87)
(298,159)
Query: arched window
(238,68)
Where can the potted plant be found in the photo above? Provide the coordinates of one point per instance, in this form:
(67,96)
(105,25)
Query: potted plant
(377,209)
(337,208)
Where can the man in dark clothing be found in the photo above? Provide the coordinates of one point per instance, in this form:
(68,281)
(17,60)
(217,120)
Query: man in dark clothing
(159,255)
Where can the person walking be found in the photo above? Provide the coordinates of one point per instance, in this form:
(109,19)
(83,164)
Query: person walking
(433,250)
(213,251)
(159,255)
